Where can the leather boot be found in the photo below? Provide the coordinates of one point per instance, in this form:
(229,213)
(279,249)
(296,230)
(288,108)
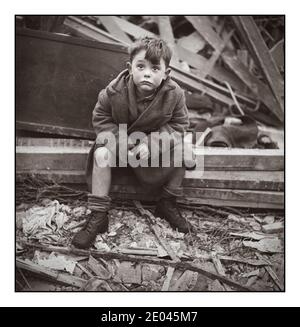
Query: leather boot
(97,223)
(166,208)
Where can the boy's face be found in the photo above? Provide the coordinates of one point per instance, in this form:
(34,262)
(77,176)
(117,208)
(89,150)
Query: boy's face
(147,76)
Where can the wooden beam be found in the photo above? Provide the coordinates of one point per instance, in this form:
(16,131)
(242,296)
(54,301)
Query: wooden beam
(168,279)
(211,87)
(84,29)
(50,158)
(52,142)
(52,274)
(248,180)
(248,198)
(219,73)
(262,55)
(74,158)
(195,86)
(241,159)
(113,28)
(192,42)
(203,27)
(132,29)
(209,196)
(166,33)
(59,130)
(260,89)
(253,180)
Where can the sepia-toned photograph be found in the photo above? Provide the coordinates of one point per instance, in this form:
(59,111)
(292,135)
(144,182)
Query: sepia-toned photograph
(149,153)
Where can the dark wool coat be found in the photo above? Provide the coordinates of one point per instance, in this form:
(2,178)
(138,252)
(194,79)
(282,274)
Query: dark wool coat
(117,103)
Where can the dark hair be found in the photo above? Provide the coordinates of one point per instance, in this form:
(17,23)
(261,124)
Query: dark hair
(155,50)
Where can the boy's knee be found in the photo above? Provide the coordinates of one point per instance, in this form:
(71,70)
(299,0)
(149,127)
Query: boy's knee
(102,157)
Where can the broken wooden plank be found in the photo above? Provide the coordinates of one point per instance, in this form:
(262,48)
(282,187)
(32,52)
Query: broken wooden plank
(217,53)
(49,273)
(261,90)
(251,262)
(241,159)
(249,180)
(167,281)
(257,199)
(89,274)
(57,176)
(54,129)
(266,245)
(191,84)
(113,28)
(192,42)
(50,158)
(219,268)
(98,269)
(261,53)
(110,255)
(186,282)
(277,53)
(273,200)
(38,141)
(203,27)
(218,72)
(166,33)
(129,273)
(272,273)
(150,252)
(251,235)
(273,228)
(84,29)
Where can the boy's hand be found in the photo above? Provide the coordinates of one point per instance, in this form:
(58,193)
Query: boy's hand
(142,150)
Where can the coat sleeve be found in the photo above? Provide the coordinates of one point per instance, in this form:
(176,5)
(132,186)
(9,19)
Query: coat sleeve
(173,131)
(103,122)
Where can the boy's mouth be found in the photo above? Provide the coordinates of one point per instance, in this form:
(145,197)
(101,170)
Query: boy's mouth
(146,83)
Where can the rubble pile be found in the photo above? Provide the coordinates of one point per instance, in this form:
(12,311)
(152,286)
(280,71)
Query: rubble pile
(243,248)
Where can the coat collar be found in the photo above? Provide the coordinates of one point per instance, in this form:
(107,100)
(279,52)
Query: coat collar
(122,95)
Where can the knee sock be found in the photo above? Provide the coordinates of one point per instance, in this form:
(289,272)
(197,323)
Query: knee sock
(98,203)
(168,192)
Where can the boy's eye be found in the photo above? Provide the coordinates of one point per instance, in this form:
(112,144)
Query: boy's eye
(140,66)
(155,68)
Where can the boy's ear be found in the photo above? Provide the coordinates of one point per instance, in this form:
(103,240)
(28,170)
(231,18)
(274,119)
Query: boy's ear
(167,72)
(129,67)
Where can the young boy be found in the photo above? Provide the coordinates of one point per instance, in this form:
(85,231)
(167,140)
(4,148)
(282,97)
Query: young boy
(146,99)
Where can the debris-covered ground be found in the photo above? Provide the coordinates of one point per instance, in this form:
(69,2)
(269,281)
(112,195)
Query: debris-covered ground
(228,249)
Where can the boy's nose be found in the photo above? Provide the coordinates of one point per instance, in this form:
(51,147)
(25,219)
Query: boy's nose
(147,73)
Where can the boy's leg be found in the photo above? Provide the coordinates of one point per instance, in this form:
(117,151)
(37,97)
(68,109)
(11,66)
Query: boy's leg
(170,179)
(101,177)
(98,200)
(166,207)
